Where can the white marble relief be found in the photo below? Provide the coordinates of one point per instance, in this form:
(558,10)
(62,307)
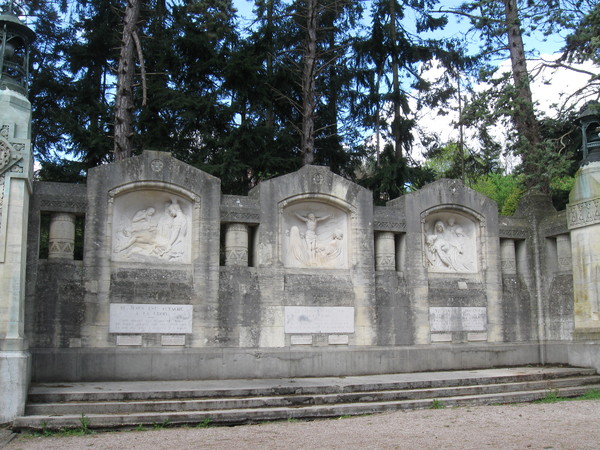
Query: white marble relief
(315,235)
(151,228)
(450,243)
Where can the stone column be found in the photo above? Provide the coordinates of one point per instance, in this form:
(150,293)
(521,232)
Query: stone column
(236,245)
(61,239)
(509,259)
(15,189)
(583,216)
(563,251)
(385,251)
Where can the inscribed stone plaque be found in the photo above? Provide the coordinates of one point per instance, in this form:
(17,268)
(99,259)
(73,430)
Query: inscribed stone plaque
(319,319)
(446,319)
(441,337)
(149,318)
(338,339)
(129,339)
(300,339)
(172,339)
(476,336)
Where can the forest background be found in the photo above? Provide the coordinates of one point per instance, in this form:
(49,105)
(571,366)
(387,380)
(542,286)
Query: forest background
(334,82)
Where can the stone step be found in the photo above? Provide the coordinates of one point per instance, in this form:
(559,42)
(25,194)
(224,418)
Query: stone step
(249,415)
(170,390)
(196,404)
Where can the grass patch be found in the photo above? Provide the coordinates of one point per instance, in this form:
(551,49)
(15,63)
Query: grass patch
(205,423)
(160,426)
(553,397)
(436,404)
(592,394)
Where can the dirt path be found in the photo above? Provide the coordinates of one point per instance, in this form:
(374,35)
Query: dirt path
(564,425)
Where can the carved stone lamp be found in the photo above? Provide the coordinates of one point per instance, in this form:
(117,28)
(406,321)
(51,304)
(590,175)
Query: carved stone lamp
(589,120)
(16,39)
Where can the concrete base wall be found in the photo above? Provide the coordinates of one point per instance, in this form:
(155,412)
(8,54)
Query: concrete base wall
(14,373)
(579,354)
(169,364)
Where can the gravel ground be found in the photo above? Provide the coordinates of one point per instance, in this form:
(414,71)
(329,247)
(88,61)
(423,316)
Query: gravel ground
(564,425)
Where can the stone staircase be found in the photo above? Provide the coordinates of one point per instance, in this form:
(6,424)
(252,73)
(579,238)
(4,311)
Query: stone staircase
(228,402)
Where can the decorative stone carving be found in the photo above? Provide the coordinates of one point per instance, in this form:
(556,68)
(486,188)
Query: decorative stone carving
(315,235)
(157,165)
(450,243)
(151,226)
(4,154)
(584,213)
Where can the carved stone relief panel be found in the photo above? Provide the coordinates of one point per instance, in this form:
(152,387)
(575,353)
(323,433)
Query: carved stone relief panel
(450,243)
(315,235)
(151,226)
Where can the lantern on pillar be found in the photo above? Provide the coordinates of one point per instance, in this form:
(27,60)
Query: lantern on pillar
(16,39)
(589,120)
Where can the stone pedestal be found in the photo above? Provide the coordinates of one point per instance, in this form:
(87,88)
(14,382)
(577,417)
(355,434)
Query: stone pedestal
(15,188)
(583,214)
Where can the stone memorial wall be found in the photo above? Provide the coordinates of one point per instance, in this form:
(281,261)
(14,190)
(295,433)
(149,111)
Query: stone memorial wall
(304,276)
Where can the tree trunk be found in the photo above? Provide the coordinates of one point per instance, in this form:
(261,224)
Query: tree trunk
(525,122)
(309,74)
(125,76)
(395,82)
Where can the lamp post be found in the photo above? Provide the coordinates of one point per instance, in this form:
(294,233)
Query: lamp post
(589,120)
(16,39)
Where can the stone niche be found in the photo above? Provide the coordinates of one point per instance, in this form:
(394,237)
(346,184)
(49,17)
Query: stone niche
(450,243)
(315,235)
(151,226)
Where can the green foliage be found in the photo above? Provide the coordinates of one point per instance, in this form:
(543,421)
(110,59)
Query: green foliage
(393,177)
(205,423)
(505,190)
(437,404)
(550,397)
(84,424)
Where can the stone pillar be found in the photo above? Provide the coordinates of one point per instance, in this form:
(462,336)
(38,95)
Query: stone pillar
(563,251)
(509,258)
(236,245)
(15,188)
(583,216)
(385,251)
(61,239)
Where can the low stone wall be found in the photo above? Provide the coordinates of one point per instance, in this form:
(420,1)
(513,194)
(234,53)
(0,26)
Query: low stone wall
(230,363)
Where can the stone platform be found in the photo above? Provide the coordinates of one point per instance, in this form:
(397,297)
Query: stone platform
(133,403)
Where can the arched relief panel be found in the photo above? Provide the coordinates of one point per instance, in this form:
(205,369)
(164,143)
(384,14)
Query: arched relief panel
(152,223)
(452,240)
(315,232)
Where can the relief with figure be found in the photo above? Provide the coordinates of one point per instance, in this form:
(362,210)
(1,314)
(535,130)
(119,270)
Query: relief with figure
(151,227)
(450,243)
(315,235)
